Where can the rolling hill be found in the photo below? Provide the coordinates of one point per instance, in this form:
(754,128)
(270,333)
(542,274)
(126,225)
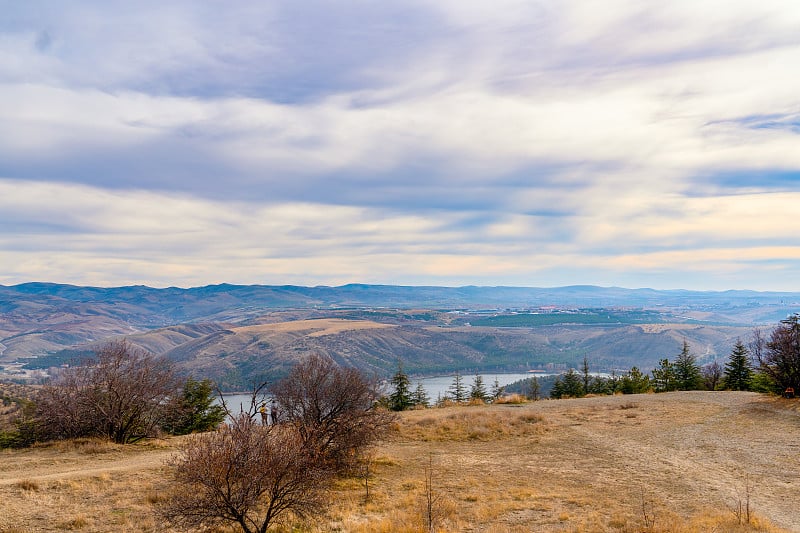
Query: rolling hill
(234,333)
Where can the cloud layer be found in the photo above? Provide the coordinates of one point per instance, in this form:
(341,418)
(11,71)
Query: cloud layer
(526,143)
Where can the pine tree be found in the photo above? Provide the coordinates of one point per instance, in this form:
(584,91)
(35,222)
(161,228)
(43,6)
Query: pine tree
(400,399)
(738,370)
(497,390)
(420,396)
(586,377)
(568,385)
(457,392)
(478,390)
(634,382)
(557,390)
(687,371)
(664,377)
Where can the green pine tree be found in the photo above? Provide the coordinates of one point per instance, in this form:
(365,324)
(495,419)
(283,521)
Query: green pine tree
(664,377)
(687,371)
(586,376)
(478,389)
(738,370)
(569,385)
(497,390)
(420,396)
(634,382)
(196,411)
(400,399)
(457,391)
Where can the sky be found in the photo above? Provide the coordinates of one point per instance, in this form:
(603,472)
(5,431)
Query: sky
(447,142)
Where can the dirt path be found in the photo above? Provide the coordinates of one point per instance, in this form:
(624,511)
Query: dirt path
(74,465)
(702,450)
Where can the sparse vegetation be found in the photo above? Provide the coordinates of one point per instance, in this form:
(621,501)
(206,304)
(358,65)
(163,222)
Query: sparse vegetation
(556,469)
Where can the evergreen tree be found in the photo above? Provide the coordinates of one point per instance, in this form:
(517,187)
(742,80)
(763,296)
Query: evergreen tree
(586,377)
(664,377)
(478,389)
(195,410)
(420,396)
(568,385)
(400,399)
(634,382)
(557,390)
(457,391)
(497,390)
(738,370)
(687,371)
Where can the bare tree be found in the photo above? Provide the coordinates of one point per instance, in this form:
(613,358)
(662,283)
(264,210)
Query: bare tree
(742,508)
(431,508)
(780,356)
(334,409)
(712,374)
(247,474)
(121,393)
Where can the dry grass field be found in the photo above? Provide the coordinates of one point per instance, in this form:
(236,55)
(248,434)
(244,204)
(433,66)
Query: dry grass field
(676,462)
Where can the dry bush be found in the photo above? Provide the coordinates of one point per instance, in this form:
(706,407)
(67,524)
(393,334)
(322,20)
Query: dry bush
(78,522)
(27,484)
(92,445)
(245,474)
(511,399)
(333,409)
(122,394)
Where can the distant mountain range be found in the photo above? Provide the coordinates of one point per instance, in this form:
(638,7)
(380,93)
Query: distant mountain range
(233,332)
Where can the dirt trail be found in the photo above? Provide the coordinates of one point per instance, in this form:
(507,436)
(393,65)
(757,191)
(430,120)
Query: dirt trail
(699,450)
(72,465)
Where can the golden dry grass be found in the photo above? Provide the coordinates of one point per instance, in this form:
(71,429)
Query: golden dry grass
(666,463)
(317,327)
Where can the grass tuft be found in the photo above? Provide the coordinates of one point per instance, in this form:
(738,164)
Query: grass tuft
(27,484)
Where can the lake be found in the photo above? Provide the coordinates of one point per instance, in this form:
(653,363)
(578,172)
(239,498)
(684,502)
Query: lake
(437,386)
(434,386)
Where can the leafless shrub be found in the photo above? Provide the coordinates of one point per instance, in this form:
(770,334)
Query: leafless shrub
(121,394)
(741,507)
(245,473)
(333,409)
(431,511)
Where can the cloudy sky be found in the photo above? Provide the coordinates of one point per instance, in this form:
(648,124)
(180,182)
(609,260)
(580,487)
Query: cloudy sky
(446,142)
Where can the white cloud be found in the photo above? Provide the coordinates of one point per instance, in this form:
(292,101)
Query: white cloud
(499,141)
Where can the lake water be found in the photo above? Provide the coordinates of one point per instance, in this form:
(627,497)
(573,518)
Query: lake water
(435,386)
(438,386)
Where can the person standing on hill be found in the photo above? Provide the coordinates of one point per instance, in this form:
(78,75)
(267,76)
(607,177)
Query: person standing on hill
(273,413)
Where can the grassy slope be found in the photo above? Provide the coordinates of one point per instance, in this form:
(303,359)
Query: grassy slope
(590,464)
